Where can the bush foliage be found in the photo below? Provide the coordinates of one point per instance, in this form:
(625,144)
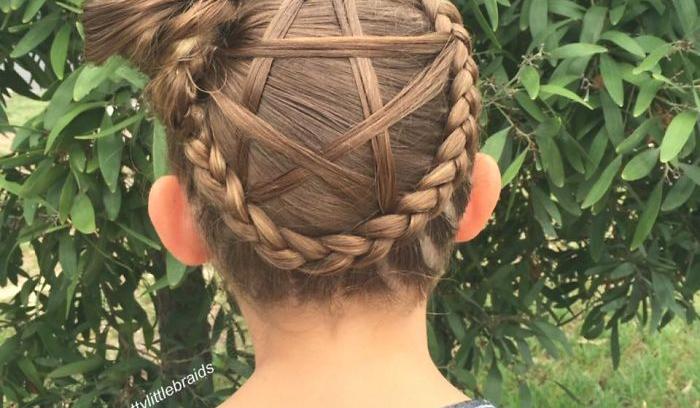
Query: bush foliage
(591,111)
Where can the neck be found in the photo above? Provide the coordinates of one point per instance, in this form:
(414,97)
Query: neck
(359,334)
(367,348)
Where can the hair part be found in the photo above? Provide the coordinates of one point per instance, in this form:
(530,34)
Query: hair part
(326,145)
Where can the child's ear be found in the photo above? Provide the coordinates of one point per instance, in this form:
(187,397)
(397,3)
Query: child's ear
(486,189)
(172,218)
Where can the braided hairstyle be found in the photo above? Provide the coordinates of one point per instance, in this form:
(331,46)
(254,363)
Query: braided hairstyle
(325,145)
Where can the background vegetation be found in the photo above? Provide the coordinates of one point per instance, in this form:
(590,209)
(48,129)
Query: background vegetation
(591,110)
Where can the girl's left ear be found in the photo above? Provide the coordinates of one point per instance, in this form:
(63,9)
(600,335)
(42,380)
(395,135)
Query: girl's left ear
(172,218)
(486,189)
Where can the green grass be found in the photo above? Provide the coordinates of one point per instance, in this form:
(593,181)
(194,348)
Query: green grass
(656,370)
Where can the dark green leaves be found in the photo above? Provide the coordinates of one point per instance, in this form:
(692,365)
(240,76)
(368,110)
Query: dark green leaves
(677,135)
(92,76)
(648,217)
(550,153)
(530,79)
(38,33)
(109,153)
(603,184)
(59,50)
(82,214)
(624,41)
(66,119)
(653,58)
(641,165)
(538,17)
(33,7)
(78,367)
(612,79)
(577,50)
(679,194)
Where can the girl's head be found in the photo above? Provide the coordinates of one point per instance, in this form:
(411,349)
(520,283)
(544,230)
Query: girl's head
(320,148)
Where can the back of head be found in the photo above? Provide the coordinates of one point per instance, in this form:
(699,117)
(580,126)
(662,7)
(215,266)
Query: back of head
(324,144)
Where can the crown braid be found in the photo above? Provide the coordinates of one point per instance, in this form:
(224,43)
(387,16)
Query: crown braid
(183,56)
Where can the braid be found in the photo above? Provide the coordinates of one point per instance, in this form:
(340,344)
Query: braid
(374,239)
(188,101)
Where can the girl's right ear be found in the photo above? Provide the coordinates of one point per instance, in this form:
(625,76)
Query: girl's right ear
(486,190)
(174,222)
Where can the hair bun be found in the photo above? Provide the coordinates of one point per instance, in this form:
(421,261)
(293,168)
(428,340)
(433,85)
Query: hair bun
(151,32)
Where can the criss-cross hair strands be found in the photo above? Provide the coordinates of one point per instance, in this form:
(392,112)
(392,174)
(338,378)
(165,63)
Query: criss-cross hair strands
(191,49)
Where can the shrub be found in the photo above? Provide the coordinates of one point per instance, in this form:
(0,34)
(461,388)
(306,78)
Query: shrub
(591,111)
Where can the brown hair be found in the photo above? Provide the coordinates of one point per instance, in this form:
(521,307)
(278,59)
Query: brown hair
(269,107)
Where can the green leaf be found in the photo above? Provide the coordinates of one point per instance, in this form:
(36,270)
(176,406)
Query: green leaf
(494,145)
(10,349)
(41,179)
(691,171)
(67,255)
(554,333)
(677,134)
(615,345)
(514,168)
(612,78)
(561,91)
(663,290)
(648,217)
(38,33)
(603,184)
(160,151)
(175,270)
(77,158)
(66,120)
(78,367)
(613,118)
(131,75)
(112,201)
(109,154)
(60,101)
(492,11)
(647,94)
(29,370)
(652,60)
(140,237)
(530,79)
(641,165)
(65,203)
(597,150)
(59,50)
(687,11)
(481,20)
(623,270)
(529,106)
(593,23)
(82,214)
(577,50)
(33,7)
(538,17)
(634,139)
(679,194)
(625,42)
(114,128)
(551,158)
(93,76)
